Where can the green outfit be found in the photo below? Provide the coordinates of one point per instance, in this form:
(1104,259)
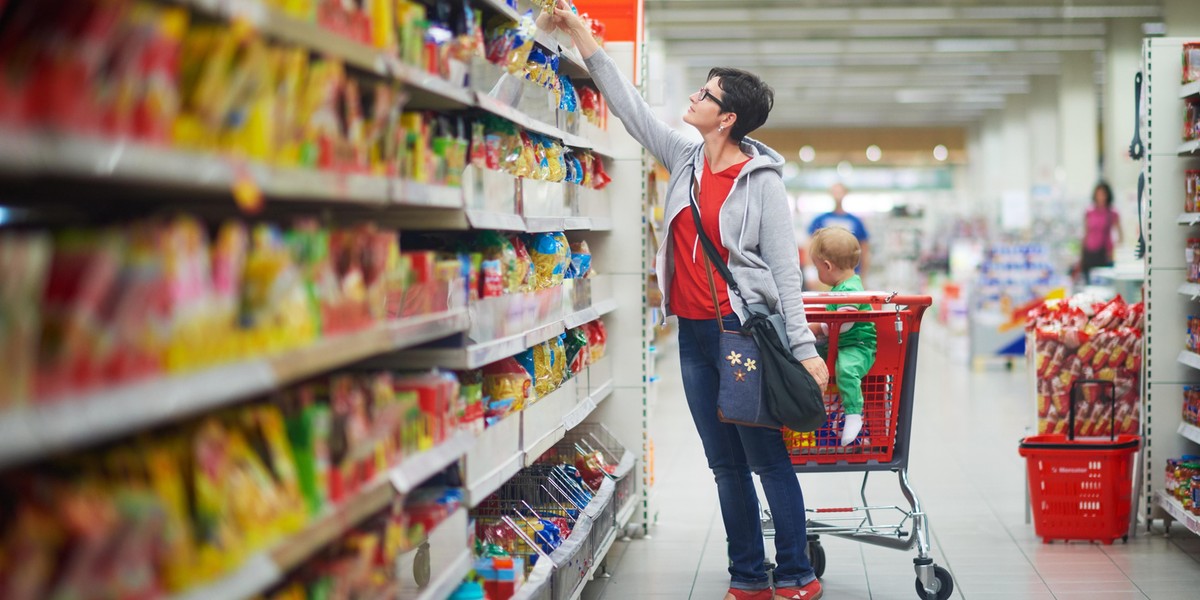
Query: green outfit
(856,352)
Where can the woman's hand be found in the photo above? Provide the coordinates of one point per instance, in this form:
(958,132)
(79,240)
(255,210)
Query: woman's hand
(563,18)
(816,367)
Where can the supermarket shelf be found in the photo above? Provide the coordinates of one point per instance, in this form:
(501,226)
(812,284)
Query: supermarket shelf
(493,481)
(626,513)
(449,580)
(1189,148)
(412,193)
(1177,512)
(469,357)
(586,407)
(254,577)
(1191,290)
(482,219)
(1189,218)
(1190,90)
(414,471)
(501,7)
(548,224)
(1190,359)
(590,314)
(543,333)
(505,111)
(28,155)
(1190,432)
(542,422)
(597,560)
(572,64)
(474,356)
(66,423)
(264,569)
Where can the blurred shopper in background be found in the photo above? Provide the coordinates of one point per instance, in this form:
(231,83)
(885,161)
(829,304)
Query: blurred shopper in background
(1100,225)
(840,218)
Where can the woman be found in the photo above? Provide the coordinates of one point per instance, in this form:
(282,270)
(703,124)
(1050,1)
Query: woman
(1100,223)
(744,210)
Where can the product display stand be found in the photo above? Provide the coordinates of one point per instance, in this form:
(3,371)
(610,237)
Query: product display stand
(611,391)
(1169,297)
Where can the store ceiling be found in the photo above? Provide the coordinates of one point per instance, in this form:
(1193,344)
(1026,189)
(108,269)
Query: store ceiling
(886,62)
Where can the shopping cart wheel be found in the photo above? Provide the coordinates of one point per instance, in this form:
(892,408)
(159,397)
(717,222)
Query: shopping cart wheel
(944,584)
(816,555)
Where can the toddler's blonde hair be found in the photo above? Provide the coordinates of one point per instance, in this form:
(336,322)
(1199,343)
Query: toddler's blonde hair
(836,245)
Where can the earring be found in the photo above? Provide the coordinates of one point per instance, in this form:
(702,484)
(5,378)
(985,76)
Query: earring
(721,129)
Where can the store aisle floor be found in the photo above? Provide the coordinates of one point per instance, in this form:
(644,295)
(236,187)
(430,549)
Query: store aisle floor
(966,470)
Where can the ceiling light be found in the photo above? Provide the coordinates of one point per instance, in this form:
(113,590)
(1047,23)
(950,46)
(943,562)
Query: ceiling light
(874,153)
(808,154)
(940,153)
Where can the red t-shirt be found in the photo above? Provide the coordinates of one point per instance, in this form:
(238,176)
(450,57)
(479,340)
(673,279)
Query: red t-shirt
(691,298)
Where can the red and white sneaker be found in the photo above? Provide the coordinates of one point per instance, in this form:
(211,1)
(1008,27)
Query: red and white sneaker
(812,591)
(737,594)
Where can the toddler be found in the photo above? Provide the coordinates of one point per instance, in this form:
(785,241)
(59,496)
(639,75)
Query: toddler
(835,253)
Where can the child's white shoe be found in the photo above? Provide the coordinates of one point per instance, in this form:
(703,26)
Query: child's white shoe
(851,428)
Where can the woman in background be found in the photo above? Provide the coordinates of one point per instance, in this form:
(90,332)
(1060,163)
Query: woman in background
(1099,225)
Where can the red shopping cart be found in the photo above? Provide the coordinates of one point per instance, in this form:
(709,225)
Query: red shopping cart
(883,444)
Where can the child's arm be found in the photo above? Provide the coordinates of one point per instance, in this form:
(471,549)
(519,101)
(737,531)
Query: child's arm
(848,324)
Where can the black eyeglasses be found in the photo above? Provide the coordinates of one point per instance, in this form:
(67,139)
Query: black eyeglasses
(707,95)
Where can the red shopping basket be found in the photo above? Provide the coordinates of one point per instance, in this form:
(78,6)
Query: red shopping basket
(1081,489)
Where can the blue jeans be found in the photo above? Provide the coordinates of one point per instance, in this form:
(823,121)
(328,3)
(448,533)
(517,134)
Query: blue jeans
(733,452)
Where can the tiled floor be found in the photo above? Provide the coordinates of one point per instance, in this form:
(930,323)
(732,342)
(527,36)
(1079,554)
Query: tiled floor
(967,472)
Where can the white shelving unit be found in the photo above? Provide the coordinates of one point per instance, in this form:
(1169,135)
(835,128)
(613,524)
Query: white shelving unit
(1190,90)
(1169,297)
(1190,290)
(1173,508)
(1190,432)
(612,391)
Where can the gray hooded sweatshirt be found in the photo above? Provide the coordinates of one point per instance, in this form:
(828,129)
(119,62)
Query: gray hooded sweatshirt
(755,221)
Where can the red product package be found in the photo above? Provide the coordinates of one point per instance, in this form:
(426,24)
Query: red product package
(597,339)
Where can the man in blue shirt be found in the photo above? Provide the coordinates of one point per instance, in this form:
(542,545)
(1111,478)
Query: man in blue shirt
(840,218)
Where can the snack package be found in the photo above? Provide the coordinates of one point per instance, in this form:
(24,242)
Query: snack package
(549,365)
(498,249)
(549,253)
(472,397)
(597,339)
(523,275)
(581,261)
(507,387)
(579,353)
(24,260)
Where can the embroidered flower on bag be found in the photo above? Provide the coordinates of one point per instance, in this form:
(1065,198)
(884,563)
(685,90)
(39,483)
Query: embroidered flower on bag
(739,375)
(734,358)
(751,364)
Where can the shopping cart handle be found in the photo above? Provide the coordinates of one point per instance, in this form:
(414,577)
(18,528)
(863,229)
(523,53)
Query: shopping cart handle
(866,298)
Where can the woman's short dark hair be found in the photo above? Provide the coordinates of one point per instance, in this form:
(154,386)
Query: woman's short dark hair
(747,96)
(1103,185)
